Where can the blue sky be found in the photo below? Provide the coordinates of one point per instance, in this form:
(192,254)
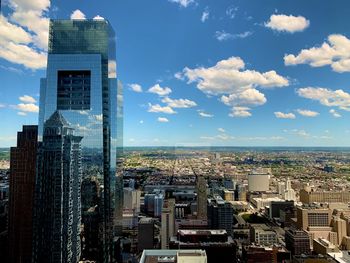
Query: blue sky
(196,72)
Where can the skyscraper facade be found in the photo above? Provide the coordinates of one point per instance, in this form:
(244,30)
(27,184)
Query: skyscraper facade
(22,184)
(57,216)
(201,197)
(81,84)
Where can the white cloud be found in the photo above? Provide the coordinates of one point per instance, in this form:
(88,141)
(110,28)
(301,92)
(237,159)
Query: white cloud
(26,107)
(307,113)
(135,87)
(183,3)
(334,52)
(281,115)
(83,112)
(141,121)
(162,119)
(241,112)
(219,137)
(27,99)
(2,105)
(157,108)
(301,133)
(24,34)
(334,113)
(156,89)
(286,23)
(331,98)
(179,103)
(98,17)
(205,115)
(178,75)
(221,130)
(77,14)
(247,97)
(21,113)
(205,15)
(237,85)
(223,35)
(231,12)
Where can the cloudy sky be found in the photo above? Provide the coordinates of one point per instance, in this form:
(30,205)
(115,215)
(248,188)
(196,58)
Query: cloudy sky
(199,72)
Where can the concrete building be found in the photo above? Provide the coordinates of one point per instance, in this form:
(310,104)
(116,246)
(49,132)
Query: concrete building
(173,256)
(145,234)
(201,197)
(289,193)
(132,199)
(339,227)
(308,196)
(276,207)
(297,241)
(258,182)
(22,184)
(167,222)
(313,217)
(323,246)
(262,235)
(218,245)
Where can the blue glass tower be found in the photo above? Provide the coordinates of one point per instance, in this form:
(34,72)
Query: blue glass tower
(81,84)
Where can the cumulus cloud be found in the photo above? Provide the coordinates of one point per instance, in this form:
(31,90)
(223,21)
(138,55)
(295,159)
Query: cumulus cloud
(162,119)
(27,99)
(301,133)
(98,17)
(240,112)
(112,69)
(231,11)
(223,35)
(334,113)
(237,86)
(135,87)
(331,98)
(27,107)
(183,3)
(24,33)
(290,24)
(334,52)
(307,113)
(281,115)
(221,130)
(205,15)
(157,108)
(77,14)
(179,103)
(156,89)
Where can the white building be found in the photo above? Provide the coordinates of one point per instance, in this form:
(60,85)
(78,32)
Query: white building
(258,182)
(173,256)
(132,199)
(289,193)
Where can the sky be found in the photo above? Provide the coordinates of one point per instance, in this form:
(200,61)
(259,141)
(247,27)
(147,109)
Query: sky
(199,72)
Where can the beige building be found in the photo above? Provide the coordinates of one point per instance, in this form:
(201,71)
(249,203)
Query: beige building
(323,246)
(339,226)
(313,217)
(309,196)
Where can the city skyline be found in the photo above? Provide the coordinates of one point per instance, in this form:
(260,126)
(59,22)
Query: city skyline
(235,73)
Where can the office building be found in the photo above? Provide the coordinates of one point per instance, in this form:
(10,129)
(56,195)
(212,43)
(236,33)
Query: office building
(258,182)
(57,214)
(22,184)
(145,234)
(309,196)
(276,207)
(263,254)
(132,199)
(173,256)
(313,217)
(262,235)
(201,197)
(81,83)
(339,227)
(289,193)
(167,222)
(218,245)
(220,214)
(323,247)
(297,241)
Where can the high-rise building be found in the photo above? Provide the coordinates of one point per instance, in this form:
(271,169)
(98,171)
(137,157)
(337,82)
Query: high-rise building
(313,217)
(167,222)
(289,193)
(57,214)
(258,182)
(22,184)
(220,214)
(297,241)
(132,199)
(81,83)
(201,197)
(145,234)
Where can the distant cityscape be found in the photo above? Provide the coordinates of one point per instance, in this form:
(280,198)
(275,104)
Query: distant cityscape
(71,192)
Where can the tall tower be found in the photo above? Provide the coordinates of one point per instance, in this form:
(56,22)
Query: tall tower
(57,199)
(201,198)
(81,83)
(22,183)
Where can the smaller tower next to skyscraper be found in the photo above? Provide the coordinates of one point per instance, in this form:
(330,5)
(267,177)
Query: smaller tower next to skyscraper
(201,198)
(57,203)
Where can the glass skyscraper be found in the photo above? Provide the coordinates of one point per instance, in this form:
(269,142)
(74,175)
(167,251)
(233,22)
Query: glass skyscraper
(81,84)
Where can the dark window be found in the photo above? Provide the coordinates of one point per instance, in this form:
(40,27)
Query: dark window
(73,89)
